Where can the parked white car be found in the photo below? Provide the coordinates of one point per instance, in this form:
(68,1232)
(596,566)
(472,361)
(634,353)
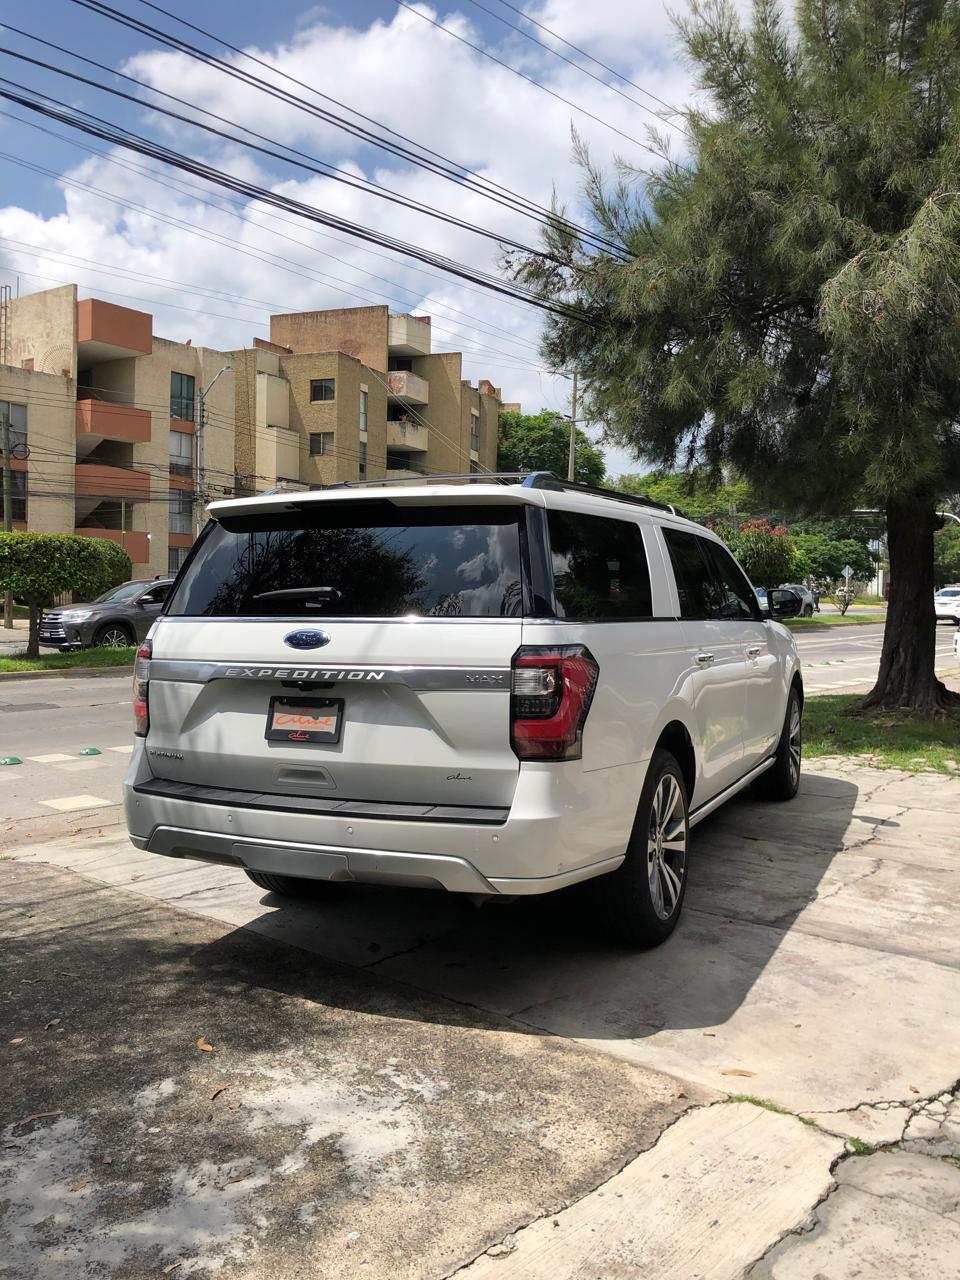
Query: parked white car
(494,688)
(946,603)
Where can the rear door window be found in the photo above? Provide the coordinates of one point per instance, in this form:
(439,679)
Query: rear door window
(599,567)
(379,560)
(738,600)
(697,587)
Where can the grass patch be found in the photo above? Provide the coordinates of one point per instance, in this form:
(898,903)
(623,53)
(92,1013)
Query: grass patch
(835,620)
(767,1105)
(861,1148)
(64,661)
(835,725)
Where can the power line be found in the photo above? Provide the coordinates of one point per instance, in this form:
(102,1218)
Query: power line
(596,61)
(516,203)
(83,121)
(523,76)
(576,65)
(297,158)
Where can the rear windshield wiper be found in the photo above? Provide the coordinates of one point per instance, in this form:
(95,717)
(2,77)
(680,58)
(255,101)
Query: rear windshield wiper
(300,593)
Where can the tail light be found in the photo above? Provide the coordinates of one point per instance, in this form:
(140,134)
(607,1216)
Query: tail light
(141,690)
(550,695)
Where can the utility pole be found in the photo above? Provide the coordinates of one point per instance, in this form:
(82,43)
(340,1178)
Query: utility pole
(201,425)
(7,500)
(571,456)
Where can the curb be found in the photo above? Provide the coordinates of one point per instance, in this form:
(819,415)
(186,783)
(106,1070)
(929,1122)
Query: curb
(66,672)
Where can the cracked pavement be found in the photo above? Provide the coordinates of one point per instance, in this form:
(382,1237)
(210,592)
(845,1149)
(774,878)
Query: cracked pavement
(773,1093)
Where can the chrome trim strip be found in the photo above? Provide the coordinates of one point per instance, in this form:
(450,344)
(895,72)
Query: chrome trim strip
(705,809)
(323,619)
(429,679)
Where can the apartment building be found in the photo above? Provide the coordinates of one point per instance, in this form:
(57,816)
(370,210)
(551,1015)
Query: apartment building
(355,394)
(120,434)
(105,421)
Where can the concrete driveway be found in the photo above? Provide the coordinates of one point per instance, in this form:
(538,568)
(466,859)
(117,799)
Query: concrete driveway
(816,974)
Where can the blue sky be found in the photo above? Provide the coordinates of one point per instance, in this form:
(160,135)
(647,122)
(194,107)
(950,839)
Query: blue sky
(212,267)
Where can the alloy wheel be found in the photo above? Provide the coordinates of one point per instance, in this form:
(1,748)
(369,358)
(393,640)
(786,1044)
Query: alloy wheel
(795,743)
(114,638)
(667,846)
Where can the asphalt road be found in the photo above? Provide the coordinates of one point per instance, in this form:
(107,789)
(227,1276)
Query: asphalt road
(48,723)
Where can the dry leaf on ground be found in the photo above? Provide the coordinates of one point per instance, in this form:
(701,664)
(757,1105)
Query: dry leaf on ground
(217,1092)
(736,1071)
(239,1177)
(204,1045)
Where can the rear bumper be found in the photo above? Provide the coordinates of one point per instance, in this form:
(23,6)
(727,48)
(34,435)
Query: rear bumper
(564,826)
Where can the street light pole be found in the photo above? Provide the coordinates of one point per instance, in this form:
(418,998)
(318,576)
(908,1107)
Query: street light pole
(201,425)
(7,501)
(572,452)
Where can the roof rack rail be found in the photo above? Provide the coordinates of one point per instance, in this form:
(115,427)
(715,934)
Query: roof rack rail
(528,479)
(547,480)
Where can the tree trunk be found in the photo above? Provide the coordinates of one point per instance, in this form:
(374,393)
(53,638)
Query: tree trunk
(906,679)
(33,636)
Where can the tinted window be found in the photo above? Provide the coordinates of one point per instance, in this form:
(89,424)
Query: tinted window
(599,567)
(126,591)
(698,589)
(385,561)
(737,598)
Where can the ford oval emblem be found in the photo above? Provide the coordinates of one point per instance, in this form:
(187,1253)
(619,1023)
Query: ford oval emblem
(306,639)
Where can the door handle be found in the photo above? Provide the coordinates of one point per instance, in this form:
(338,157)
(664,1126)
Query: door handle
(704,659)
(753,650)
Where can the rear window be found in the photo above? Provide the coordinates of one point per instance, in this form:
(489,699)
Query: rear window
(599,567)
(380,560)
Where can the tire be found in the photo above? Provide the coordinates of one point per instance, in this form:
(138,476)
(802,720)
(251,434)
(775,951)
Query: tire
(782,780)
(641,901)
(112,635)
(807,611)
(286,886)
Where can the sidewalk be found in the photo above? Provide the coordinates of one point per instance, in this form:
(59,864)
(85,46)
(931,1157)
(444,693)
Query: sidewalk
(425,1092)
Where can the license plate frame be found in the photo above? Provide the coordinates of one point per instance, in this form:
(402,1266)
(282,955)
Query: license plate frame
(299,733)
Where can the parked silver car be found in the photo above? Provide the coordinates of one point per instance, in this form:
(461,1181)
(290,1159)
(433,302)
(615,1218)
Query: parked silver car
(121,616)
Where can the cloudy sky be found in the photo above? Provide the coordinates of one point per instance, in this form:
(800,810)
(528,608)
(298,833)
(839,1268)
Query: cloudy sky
(212,266)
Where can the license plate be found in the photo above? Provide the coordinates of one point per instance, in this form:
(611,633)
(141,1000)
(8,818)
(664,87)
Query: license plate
(304,720)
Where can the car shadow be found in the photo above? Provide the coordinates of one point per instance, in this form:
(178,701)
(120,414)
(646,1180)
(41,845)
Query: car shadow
(547,962)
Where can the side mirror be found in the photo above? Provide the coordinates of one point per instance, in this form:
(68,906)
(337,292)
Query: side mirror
(143,601)
(785,603)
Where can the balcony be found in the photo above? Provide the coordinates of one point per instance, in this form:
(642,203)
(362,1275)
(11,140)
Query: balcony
(408,388)
(111,421)
(408,435)
(100,480)
(409,335)
(135,544)
(401,473)
(108,332)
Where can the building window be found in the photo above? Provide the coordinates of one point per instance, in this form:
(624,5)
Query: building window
(18,425)
(18,494)
(181,512)
(321,443)
(397,460)
(363,459)
(475,432)
(363,410)
(322,389)
(175,558)
(181,453)
(182,396)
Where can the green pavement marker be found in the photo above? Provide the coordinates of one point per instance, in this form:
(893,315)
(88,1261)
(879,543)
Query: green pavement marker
(11,760)
(91,751)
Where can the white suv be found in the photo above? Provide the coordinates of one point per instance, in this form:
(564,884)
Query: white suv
(496,688)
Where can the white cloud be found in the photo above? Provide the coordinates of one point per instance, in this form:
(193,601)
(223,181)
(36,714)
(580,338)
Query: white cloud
(426,86)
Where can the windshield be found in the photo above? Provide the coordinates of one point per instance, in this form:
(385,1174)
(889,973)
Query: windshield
(375,560)
(126,591)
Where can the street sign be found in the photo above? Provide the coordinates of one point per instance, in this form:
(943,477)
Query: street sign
(848,572)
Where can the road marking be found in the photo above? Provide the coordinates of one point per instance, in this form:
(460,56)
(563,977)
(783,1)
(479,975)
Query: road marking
(78,766)
(55,758)
(65,804)
(124,751)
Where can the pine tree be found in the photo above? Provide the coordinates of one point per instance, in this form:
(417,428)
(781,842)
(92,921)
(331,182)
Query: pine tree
(788,298)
